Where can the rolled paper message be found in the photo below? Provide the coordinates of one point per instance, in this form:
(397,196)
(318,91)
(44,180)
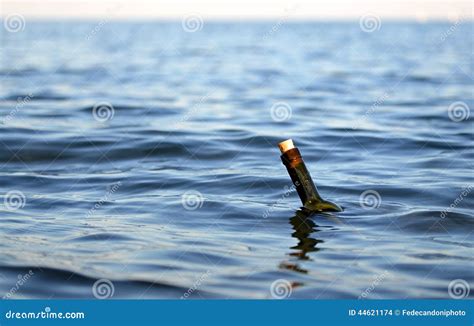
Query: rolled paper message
(299,174)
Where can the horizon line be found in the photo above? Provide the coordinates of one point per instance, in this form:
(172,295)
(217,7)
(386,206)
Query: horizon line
(235,19)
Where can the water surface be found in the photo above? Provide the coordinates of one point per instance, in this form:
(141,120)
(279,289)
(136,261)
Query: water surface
(181,192)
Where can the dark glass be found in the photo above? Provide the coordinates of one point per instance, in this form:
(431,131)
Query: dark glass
(305,187)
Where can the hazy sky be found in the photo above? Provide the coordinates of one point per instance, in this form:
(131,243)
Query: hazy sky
(240,9)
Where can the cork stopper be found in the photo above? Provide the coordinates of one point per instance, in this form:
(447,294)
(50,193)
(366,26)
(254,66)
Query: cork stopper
(286,145)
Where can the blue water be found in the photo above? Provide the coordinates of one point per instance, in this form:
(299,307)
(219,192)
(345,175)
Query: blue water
(178,191)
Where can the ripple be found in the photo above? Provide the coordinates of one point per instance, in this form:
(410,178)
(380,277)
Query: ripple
(194,116)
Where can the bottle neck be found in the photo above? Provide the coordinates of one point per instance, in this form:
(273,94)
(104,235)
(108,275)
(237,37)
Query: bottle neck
(300,177)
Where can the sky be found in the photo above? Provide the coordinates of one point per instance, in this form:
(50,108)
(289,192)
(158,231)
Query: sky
(419,10)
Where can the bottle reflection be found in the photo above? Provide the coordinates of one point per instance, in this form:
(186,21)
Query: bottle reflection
(303,226)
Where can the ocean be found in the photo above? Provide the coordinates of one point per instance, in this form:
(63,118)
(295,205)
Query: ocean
(140,160)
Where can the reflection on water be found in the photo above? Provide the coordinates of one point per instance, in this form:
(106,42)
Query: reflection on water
(305,229)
